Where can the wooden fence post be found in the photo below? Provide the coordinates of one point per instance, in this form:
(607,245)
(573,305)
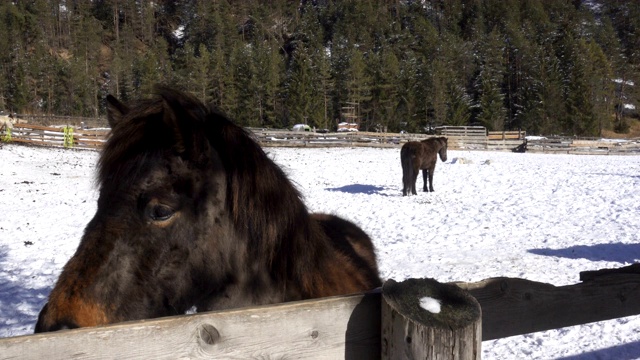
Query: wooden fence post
(424,319)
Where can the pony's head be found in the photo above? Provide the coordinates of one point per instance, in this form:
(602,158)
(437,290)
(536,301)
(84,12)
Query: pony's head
(443,148)
(182,219)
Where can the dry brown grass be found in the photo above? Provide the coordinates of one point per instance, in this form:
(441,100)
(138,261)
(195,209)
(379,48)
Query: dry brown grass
(634,131)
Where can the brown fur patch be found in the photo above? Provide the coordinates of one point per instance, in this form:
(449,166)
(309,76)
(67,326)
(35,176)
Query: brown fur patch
(74,311)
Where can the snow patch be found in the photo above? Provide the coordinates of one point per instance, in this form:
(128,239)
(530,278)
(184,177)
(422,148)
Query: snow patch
(543,217)
(430,304)
(461,161)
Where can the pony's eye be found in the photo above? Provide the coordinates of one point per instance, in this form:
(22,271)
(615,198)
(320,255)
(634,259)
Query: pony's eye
(159,212)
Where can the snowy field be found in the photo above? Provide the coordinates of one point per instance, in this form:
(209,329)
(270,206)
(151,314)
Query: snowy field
(533,216)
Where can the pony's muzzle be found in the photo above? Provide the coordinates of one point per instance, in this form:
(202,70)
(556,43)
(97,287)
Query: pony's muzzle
(45,325)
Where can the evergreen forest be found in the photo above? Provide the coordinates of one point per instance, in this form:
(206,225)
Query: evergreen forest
(550,67)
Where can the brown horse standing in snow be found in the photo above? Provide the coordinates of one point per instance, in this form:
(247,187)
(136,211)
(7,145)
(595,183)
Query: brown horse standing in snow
(192,212)
(421,155)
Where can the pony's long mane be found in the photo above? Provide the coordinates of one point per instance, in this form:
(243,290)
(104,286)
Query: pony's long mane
(257,190)
(256,187)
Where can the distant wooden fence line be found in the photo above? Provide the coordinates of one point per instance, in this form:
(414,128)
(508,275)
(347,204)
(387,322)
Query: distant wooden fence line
(346,327)
(59,121)
(460,138)
(583,147)
(65,136)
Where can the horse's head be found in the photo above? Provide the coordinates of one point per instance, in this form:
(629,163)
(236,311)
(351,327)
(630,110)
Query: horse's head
(443,148)
(170,228)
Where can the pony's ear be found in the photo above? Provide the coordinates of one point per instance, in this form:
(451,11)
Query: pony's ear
(170,118)
(183,113)
(115,111)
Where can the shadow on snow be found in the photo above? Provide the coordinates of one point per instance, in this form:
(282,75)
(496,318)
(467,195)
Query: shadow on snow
(617,252)
(19,304)
(619,352)
(360,189)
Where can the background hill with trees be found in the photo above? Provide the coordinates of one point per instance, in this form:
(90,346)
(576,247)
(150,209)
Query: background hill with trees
(545,66)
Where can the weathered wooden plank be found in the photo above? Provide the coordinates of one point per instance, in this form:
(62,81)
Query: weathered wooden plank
(36,142)
(506,135)
(37,127)
(38,132)
(592,144)
(633,269)
(331,328)
(503,137)
(90,142)
(101,134)
(517,306)
(40,137)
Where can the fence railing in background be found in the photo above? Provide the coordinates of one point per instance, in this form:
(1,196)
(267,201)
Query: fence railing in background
(57,120)
(57,136)
(284,138)
(507,135)
(583,147)
(465,137)
(460,138)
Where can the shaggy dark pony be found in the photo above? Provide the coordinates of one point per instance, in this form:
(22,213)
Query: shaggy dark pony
(421,155)
(192,212)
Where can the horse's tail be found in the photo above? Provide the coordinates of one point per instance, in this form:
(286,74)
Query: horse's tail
(406,158)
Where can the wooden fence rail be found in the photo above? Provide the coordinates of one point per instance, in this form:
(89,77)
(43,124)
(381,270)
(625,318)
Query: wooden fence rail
(460,138)
(56,136)
(59,120)
(346,327)
(583,147)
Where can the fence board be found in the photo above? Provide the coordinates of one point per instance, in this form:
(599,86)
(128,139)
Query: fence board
(517,306)
(503,145)
(462,131)
(338,327)
(54,136)
(332,328)
(582,147)
(34,142)
(506,135)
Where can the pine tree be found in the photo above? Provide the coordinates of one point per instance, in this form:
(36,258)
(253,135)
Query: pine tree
(268,79)
(299,88)
(490,103)
(359,84)
(459,103)
(601,88)
(384,90)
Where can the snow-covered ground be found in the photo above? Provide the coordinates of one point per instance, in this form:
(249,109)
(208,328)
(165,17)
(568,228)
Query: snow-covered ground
(533,216)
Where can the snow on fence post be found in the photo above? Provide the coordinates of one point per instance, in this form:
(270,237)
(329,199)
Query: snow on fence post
(424,319)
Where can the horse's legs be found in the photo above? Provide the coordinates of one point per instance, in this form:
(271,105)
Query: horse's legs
(406,180)
(413,183)
(406,160)
(425,175)
(405,188)
(406,184)
(430,180)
